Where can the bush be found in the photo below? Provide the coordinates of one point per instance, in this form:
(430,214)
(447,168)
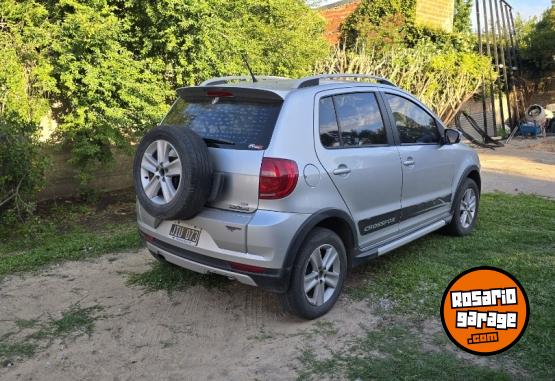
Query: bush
(113,66)
(537,45)
(443,79)
(25,81)
(383,24)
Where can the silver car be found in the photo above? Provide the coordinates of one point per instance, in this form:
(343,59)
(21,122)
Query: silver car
(286,184)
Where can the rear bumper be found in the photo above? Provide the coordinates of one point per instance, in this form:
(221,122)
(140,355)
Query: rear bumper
(275,280)
(258,239)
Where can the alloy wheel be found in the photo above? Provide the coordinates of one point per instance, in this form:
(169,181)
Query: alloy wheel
(322,273)
(160,172)
(468,208)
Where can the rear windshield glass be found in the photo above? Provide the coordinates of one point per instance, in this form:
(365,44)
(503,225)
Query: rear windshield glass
(227,123)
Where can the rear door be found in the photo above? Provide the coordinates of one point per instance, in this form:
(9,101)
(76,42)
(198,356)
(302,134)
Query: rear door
(355,146)
(237,125)
(428,166)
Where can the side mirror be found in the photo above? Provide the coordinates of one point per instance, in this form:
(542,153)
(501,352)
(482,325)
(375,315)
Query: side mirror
(451,136)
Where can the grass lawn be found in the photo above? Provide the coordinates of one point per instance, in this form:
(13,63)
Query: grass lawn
(515,233)
(65,231)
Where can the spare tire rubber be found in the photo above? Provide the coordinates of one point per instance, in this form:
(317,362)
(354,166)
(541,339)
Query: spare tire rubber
(172,173)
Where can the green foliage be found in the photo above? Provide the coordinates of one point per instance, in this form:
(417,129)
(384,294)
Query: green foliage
(74,322)
(66,232)
(105,70)
(196,40)
(170,278)
(443,78)
(379,23)
(537,42)
(462,21)
(25,82)
(105,96)
(404,290)
(385,24)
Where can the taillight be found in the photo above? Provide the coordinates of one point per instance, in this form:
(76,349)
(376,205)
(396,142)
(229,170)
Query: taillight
(278,178)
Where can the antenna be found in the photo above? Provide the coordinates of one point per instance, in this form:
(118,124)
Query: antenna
(249,68)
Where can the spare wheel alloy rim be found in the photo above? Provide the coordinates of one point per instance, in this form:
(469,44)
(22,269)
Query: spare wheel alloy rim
(160,172)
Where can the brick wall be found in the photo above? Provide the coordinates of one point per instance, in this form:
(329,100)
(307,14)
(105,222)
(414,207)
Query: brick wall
(335,14)
(436,13)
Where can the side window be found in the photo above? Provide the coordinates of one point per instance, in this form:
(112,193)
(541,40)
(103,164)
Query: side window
(329,132)
(415,125)
(360,119)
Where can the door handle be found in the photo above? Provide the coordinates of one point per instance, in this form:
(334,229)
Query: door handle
(409,162)
(341,170)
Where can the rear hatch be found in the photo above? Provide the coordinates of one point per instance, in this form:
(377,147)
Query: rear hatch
(237,125)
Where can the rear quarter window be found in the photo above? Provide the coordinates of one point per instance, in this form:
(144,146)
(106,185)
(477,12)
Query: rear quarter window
(245,124)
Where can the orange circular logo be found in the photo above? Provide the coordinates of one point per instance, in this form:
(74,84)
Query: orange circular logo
(485,310)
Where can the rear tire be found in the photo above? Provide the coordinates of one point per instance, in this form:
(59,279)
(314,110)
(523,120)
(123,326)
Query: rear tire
(465,210)
(318,275)
(176,182)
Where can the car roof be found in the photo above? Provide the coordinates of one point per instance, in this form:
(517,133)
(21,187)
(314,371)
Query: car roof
(284,86)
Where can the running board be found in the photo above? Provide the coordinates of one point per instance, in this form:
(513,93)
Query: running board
(411,237)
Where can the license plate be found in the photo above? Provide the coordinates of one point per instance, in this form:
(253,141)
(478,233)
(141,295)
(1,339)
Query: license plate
(185,234)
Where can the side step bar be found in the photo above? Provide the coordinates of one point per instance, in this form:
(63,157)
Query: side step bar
(411,237)
(366,255)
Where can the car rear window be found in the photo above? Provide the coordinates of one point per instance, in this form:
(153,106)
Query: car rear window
(243,124)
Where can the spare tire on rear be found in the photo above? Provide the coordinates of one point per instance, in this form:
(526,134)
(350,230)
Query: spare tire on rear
(172,173)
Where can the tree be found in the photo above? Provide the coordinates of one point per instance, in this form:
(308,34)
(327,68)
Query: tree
(537,43)
(25,82)
(462,21)
(198,39)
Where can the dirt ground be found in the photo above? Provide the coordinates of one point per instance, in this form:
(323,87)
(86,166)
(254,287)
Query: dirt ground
(523,166)
(233,332)
(236,332)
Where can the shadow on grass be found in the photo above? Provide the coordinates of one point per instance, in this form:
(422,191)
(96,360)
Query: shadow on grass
(167,277)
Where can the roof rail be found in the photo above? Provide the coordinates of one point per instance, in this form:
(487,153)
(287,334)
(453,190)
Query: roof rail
(244,78)
(315,79)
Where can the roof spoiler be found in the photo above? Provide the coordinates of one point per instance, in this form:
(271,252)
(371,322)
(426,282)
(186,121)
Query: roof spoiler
(200,92)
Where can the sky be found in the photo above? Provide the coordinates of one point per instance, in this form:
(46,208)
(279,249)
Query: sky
(529,8)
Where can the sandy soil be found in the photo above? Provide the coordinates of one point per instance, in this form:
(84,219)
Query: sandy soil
(524,166)
(236,332)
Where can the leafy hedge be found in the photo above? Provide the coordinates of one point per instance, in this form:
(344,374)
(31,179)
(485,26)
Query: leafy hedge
(106,70)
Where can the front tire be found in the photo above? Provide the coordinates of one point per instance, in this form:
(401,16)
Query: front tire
(318,275)
(465,211)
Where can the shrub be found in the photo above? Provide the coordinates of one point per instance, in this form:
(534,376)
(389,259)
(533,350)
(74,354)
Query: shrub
(114,65)
(25,81)
(443,79)
(536,39)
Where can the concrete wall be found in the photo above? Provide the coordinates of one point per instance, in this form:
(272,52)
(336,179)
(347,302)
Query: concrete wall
(436,13)
(62,178)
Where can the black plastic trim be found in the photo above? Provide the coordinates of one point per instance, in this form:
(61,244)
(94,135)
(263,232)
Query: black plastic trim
(464,175)
(274,280)
(387,219)
(303,231)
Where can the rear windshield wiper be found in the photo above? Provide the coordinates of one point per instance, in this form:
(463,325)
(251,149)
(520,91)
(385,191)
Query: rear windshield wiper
(217,142)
